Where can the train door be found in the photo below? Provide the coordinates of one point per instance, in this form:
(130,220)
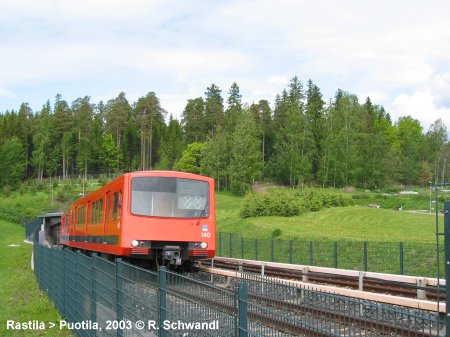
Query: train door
(113,224)
(107,216)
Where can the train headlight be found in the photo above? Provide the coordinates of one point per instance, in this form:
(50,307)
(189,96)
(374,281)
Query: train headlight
(134,243)
(204,245)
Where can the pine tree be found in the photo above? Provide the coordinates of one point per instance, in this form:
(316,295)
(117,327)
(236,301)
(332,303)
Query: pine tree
(234,108)
(315,125)
(117,111)
(150,116)
(41,142)
(194,121)
(172,145)
(214,115)
(12,164)
(25,134)
(61,128)
(83,116)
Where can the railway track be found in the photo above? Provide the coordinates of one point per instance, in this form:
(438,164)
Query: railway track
(414,292)
(309,314)
(273,308)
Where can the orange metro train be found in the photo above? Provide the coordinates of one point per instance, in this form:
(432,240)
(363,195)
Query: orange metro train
(150,217)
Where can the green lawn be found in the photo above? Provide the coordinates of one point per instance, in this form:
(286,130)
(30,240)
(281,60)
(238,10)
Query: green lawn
(354,223)
(21,299)
(333,237)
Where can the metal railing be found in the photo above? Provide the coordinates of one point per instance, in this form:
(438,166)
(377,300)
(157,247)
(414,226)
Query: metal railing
(404,258)
(120,299)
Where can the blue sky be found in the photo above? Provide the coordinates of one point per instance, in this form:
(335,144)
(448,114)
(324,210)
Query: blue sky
(397,52)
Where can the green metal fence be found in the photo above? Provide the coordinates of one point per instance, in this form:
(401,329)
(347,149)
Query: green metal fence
(32,230)
(324,314)
(416,259)
(119,299)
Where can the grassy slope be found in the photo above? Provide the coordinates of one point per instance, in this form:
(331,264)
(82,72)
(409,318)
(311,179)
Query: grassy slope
(355,223)
(21,299)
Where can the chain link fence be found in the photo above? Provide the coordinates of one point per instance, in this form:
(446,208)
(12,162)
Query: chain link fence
(97,297)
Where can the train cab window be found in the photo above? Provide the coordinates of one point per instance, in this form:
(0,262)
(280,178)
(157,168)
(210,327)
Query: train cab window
(169,197)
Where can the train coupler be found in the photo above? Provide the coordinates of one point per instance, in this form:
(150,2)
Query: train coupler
(173,255)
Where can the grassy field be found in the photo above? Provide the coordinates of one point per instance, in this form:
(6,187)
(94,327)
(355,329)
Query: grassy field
(354,223)
(381,229)
(21,299)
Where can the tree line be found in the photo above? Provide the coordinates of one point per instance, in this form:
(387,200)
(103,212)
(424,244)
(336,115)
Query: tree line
(298,139)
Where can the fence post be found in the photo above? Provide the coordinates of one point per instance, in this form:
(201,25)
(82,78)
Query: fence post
(401,258)
(311,256)
(447,262)
(290,251)
(162,300)
(365,256)
(335,255)
(119,295)
(77,287)
(93,291)
(64,253)
(256,249)
(242,308)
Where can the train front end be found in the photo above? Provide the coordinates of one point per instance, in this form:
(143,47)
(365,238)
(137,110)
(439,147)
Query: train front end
(169,217)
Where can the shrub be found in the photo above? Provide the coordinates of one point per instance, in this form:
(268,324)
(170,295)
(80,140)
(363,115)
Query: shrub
(392,189)
(66,195)
(276,233)
(102,181)
(279,202)
(23,189)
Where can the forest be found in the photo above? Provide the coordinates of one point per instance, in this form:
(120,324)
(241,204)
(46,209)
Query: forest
(299,139)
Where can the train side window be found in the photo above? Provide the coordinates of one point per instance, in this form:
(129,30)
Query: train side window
(115,206)
(96,212)
(107,214)
(72,217)
(88,212)
(100,210)
(92,212)
(81,215)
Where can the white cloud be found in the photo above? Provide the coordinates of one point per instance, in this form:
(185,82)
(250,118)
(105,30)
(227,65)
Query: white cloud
(421,105)
(278,80)
(375,97)
(178,48)
(6,93)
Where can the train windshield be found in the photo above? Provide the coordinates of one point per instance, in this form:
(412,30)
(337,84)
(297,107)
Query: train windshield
(169,197)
